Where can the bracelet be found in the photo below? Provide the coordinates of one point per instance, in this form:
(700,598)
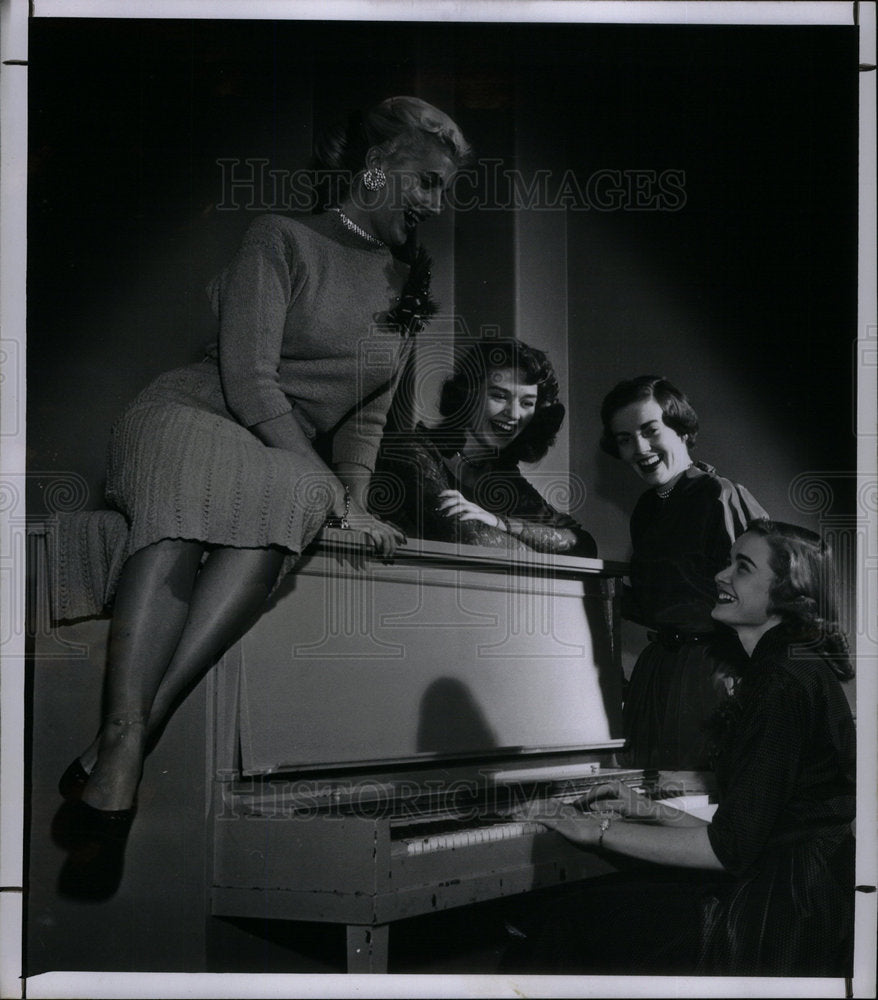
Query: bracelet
(606,822)
(334,521)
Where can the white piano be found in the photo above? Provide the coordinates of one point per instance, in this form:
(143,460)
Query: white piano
(376,729)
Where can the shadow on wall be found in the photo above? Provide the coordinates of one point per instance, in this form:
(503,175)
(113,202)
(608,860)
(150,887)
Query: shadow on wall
(451,718)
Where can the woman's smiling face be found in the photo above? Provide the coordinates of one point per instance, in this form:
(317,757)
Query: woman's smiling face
(508,406)
(655,451)
(744,588)
(414,191)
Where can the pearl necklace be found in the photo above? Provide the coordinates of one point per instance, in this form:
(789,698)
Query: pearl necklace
(668,490)
(354,228)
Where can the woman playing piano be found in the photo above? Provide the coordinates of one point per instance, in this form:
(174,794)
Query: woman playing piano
(783,748)
(459,481)
(215,466)
(682,529)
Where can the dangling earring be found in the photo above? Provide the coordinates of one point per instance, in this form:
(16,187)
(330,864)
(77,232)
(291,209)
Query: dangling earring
(374,179)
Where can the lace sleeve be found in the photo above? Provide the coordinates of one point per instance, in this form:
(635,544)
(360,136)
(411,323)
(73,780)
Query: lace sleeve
(537,524)
(408,480)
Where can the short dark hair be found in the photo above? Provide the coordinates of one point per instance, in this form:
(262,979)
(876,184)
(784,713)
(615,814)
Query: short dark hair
(677,411)
(804,592)
(461,394)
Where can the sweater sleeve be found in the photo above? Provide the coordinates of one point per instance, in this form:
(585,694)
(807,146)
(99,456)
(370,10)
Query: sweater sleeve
(254,297)
(358,436)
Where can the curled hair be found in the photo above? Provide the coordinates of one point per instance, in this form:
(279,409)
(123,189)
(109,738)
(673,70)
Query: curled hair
(463,393)
(395,124)
(677,412)
(804,591)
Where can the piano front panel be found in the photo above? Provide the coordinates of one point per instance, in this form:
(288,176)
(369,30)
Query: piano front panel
(317,853)
(424,660)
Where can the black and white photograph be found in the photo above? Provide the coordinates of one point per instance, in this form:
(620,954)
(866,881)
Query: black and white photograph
(439,502)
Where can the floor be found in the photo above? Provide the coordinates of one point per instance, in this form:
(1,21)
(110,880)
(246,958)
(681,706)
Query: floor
(469,940)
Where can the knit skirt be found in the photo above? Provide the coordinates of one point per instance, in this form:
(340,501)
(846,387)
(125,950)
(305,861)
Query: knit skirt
(180,466)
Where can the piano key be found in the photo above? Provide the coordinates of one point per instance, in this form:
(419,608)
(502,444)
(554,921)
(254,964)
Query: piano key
(471,837)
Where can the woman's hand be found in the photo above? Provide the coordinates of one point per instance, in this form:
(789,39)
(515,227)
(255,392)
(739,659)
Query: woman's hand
(623,800)
(626,801)
(454,504)
(386,537)
(582,828)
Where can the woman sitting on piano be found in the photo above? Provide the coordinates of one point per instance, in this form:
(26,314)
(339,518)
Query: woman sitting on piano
(459,481)
(226,469)
(784,756)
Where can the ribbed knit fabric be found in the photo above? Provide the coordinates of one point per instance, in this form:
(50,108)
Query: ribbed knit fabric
(85,551)
(303,329)
(176,471)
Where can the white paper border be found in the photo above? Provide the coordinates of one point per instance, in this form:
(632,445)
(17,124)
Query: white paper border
(557,11)
(13,161)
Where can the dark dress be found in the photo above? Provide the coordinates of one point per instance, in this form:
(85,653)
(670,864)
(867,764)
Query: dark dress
(679,544)
(413,469)
(784,749)
(785,769)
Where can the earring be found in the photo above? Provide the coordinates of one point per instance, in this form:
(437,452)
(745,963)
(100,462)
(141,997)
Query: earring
(374,179)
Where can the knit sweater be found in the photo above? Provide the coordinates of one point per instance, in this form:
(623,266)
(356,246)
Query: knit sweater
(302,314)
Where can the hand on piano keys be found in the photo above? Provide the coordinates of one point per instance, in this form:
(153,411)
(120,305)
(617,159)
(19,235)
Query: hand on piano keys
(624,800)
(627,801)
(579,825)
(582,819)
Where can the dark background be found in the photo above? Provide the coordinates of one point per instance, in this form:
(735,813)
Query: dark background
(746,296)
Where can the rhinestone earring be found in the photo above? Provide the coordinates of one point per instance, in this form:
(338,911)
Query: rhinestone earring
(374,179)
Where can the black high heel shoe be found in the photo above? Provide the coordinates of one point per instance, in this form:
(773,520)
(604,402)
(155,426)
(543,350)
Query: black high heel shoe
(96,840)
(72,781)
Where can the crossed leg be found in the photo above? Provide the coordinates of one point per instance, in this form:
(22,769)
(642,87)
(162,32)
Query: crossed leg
(173,617)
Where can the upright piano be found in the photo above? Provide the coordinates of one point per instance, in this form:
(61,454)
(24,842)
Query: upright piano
(380,725)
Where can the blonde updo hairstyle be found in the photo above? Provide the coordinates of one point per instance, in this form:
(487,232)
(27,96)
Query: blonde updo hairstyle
(395,125)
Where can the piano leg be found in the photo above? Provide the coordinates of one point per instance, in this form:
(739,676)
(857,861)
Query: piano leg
(367,947)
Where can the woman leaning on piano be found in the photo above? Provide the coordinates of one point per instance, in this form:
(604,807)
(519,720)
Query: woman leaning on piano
(771,891)
(459,481)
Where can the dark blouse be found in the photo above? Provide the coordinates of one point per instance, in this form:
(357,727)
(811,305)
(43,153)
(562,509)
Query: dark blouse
(680,544)
(413,469)
(785,769)
(786,764)
(784,906)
